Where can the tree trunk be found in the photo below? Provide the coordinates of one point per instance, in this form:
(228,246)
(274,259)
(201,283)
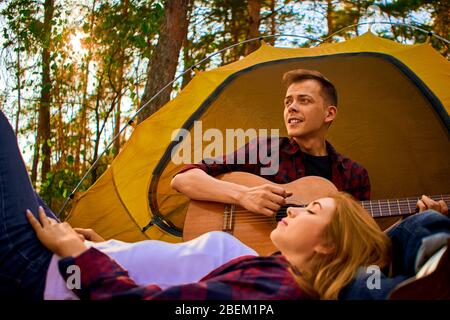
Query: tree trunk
(442,22)
(273,21)
(60,146)
(330,21)
(97,131)
(358,16)
(44,109)
(82,130)
(162,67)
(187,77)
(442,18)
(254,12)
(116,144)
(187,59)
(225,53)
(235,28)
(36,153)
(84,104)
(121,59)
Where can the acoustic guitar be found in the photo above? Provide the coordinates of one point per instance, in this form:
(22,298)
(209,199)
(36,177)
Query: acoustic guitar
(254,229)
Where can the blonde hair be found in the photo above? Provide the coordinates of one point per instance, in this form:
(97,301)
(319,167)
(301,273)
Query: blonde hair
(357,241)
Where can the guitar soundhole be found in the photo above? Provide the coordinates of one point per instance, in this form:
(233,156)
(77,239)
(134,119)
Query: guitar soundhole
(281,213)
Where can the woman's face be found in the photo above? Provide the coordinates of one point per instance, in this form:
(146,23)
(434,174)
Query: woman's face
(301,234)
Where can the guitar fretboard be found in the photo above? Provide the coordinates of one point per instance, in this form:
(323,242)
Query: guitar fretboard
(397,207)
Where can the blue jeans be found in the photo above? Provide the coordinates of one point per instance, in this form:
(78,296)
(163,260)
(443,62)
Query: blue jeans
(23,259)
(408,237)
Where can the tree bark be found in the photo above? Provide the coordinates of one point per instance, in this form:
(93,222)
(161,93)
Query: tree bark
(358,16)
(187,58)
(330,21)
(121,59)
(162,67)
(44,109)
(97,131)
(273,21)
(36,153)
(60,149)
(116,144)
(442,22)
(82,130)
(234,29)
(254,12)
(187,77)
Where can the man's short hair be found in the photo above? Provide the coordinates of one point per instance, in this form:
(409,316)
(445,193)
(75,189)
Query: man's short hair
(328,89)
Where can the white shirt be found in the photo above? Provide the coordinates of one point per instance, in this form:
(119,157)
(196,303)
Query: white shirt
(157,262)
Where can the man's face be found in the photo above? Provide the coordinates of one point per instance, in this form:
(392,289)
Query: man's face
(305,112)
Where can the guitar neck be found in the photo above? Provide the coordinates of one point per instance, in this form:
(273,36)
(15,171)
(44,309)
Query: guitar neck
(397,207)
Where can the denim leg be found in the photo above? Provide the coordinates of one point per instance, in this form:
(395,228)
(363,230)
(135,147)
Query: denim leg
(23,259)
(407,238)
(370,285)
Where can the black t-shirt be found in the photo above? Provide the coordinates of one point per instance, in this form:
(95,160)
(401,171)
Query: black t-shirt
(317,166)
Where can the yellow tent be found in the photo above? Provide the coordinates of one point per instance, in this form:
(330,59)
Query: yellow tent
(393,118)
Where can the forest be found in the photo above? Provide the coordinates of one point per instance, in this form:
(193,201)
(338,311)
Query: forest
(73,74)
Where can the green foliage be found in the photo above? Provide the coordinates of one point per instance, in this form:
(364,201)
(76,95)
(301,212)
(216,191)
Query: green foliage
(21,24)
(58,186)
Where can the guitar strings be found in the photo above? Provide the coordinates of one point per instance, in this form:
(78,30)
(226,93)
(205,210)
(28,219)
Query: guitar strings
(251,216)
(246,215)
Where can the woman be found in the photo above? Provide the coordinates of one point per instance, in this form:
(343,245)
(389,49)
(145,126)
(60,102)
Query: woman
(322,247)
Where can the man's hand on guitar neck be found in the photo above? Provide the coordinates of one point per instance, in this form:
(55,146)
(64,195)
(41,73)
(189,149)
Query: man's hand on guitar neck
(266,199)
(426,203)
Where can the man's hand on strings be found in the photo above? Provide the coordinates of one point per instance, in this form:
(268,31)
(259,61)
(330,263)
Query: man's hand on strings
(266,199)
(426,203)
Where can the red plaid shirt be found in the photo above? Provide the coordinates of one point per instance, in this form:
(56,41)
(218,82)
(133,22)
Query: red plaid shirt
(243,278)
(347,175)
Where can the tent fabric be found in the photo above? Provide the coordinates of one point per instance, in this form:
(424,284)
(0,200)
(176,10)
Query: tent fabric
(393,118)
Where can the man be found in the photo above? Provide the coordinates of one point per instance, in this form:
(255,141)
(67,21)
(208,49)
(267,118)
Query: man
(310,106)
